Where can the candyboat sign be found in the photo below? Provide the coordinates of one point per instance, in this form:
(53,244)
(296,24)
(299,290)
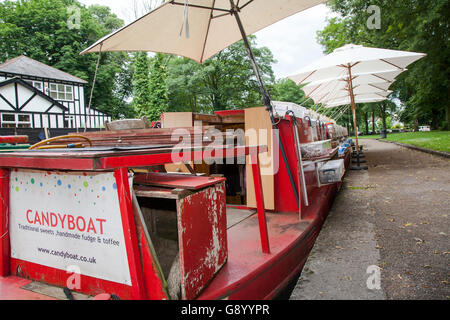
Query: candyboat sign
(68,219)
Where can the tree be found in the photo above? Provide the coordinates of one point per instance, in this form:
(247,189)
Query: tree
(225,81)
(141,84)
(43,30)
(159,97)
(288,91)
(410,25)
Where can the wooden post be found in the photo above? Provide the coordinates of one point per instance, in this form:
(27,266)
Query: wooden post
(4,223)
(260,202)
(129,229)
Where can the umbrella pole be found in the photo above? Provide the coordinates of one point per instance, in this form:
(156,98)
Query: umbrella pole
(355,123)
(265,97)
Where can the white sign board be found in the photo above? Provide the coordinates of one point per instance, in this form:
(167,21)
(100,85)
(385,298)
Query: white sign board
(61,219)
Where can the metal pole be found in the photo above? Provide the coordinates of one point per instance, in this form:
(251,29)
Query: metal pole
(352,99)
(92,90)
(265,96)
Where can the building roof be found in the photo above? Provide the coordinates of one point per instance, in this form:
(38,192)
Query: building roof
(23,65)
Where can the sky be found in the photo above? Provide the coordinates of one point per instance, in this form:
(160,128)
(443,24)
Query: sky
(292,40)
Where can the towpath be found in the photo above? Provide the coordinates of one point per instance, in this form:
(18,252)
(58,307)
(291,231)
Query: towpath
(393,218)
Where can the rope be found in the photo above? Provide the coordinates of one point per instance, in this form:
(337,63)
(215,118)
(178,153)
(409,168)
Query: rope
(185,19)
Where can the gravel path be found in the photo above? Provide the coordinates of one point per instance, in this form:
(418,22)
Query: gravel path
(393,218)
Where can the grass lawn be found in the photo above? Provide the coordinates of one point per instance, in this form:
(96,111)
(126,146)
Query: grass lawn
(435,140)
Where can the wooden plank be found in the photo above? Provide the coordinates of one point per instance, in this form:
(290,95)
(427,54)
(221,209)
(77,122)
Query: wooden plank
(208,118)
(128,124)
(257,119)
(176,181)
(202,254)
(154,192)
(254,159)
(236,216)
(233,118)
(177,119)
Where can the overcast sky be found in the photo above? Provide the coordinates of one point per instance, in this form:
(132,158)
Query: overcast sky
(292,40)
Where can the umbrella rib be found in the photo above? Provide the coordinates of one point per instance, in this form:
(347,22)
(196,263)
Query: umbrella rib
(390,63)
(240,8)
(382,78)
(376,87)
(207,32)
(380,95)
(309,95)
(199,6)
(309,75)
(221,15)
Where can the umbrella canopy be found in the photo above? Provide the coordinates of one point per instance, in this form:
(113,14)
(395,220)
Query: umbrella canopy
(362,60)
(198,29)
(354,74)
(321,91)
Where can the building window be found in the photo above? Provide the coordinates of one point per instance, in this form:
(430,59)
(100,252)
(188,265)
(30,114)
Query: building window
(61,92)
(36,84)
(69,122)
(16,120)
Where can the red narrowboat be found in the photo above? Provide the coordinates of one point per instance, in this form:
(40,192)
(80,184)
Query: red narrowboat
(202,208)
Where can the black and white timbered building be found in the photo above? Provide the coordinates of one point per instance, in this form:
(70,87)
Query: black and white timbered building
(35,95)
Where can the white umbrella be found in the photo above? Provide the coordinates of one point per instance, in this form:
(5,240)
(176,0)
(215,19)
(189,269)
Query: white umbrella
(366,83)
(362,60)
(209,26)
(349,63)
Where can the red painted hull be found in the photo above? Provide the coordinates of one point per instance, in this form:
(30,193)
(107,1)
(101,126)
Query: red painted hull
(251,275)
(266,250)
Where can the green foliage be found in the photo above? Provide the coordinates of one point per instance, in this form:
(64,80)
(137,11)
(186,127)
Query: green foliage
(410,25)
(159,97)
(286,90)
(224,82)
(150,95)
(141,84)
(40,30)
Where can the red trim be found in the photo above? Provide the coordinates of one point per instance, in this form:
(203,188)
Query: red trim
(4,223)
(129,229)
(229,112)
(260,203)
(89,285)
(48,163)
(86,162)
(163,158)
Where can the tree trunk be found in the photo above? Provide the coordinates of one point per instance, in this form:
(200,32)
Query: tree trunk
(373,122)
(416,124)
(447,118)
(366,121)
